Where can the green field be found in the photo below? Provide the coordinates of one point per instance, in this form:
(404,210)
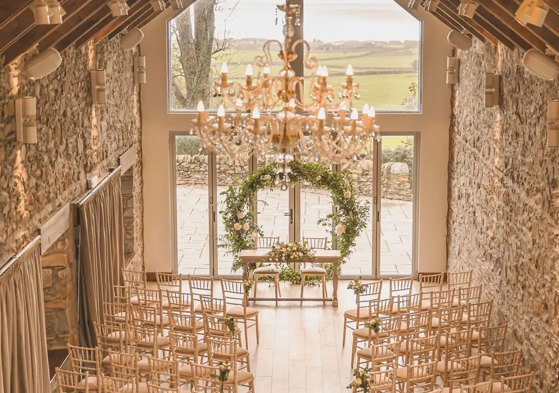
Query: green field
(384,76)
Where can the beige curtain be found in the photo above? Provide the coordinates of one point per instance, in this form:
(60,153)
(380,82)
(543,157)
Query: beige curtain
(23,342)
(101,252)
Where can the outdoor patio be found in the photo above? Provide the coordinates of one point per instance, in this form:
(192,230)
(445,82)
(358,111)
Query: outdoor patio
(193,233)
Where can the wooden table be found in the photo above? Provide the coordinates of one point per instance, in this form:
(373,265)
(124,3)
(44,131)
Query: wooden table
(321,257)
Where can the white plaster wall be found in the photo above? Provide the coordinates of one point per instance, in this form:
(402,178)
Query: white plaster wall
(432,124)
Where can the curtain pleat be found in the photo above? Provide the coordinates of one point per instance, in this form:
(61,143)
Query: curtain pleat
(101,253)
(23,343)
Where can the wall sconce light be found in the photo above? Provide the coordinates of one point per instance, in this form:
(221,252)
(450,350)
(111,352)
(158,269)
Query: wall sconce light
(414,4)
(432,5)
(42,64)
(56,12)
(492,89)
(468,8)
(533,12)
(40,11)
(459,40)
(131,39)
(98,87)
(452,64)
(140,69)
(26,119)
(118,8)
(178,4)
(540,65)
(553,123)
(158,5)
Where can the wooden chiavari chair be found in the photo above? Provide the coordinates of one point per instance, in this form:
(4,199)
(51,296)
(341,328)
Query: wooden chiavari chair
(114,313)
(212,306)
(187,347)
(430,282)
(446,319)
(437,299)
(204,382)
(417,349)
(215,326)
(126,365)
(420,375)
(388,325)
(361,314)
(110,337)
(320,243)
(491,339)
(116,385)
(458,345)
(170,281)
(121,294)
(221,351)
(401,286)
(267,242)
(459,279)
(147,341)
(417,322)
(477,316)
(69,381)
(146,297)
(200,286)
(465,372)
(149,316)
(235,295)
(86,360)
(228,349)
(480,387)
(164,373)
(383,353)
(407,303)
(505,364)
(384,381)
(467,295)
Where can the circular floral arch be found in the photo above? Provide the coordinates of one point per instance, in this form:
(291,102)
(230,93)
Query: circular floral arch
(347,220)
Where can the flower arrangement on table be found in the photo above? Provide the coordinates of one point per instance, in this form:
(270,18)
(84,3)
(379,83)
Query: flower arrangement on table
(290,252)
(357,287)
(362,379)
(224,370)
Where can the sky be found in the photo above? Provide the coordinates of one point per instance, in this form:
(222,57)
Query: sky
(325,20)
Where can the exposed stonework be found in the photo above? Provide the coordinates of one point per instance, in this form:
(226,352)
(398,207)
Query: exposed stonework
(75,141)
(503,219)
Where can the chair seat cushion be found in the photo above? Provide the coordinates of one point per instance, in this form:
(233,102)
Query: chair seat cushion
(131,388)
(497,387)
(368,353)
(313,270)
(271,269)
(448,390)
(451,366)
(198,309)
(402,373)
(241,377)
(185,370)
(160,342)
(202,347)
(363,333)
(238,311)
(116,359)
(352,314)
(91,381)
(199,325)
(241,352)
(486,361)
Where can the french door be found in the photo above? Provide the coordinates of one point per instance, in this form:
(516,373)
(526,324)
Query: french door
(386,183)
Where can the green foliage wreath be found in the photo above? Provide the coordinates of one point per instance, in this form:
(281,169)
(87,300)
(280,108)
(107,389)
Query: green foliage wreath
(347,221)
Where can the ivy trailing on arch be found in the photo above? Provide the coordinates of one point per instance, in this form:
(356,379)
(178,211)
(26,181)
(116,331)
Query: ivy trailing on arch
(347,220)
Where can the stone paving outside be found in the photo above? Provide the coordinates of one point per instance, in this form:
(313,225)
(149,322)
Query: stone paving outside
(193,230)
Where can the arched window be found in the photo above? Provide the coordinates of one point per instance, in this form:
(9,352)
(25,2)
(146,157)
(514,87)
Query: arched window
(379,38)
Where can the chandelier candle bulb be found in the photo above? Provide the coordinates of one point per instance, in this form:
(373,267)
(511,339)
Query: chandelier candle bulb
(202,114)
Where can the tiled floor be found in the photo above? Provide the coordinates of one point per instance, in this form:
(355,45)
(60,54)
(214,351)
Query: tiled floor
(396,230)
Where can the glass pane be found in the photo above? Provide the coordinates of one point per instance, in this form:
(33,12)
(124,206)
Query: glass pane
(381,41)
(397,198)
(212,32)
(192,206)
(227,170)
(273,208)
(360,261)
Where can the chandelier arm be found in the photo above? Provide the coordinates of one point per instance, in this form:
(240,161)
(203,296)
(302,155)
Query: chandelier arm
(265,60)
(310,62)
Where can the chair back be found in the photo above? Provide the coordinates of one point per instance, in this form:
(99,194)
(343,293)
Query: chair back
(421,349)
(170,281)
(110,336)
(441,299)
(182,320)
(429,282)
(145,297)
(459,279)
(371,291)
(401,286)
(84,360)
(448,318)
(177,300)
(233,293)
(491,339)
(200,285)
(470,294)
(377,308)
(417,322)
(505,364)
(465,371)
(384,381)
(480,387)
(212,305)
(145,315)
(457,345)
(407,303)
(185,345)
(145,338)
(134,278)
(518,383)
(220,348)
(479,314)
(266,241)
(216,326)
(317,243)
(121,294)
(115,312)
(117,385)
(204,378)
(164,371)
(69,381)
(422,374)
(124,365)
(385,354)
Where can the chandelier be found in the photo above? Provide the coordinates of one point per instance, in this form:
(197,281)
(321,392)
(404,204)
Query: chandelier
(270,114)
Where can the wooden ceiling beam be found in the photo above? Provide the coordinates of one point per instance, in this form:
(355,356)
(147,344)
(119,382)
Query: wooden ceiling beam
(146,8)
(542,33)
(11,10)
(135,6)
(554,4)
(91,22)
(41,31)
(72,23)
(509,21)
(92,31)
(144,19)
(482,33)
(552,22)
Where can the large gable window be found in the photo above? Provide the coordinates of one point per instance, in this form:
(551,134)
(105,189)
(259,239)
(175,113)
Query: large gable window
(378,38)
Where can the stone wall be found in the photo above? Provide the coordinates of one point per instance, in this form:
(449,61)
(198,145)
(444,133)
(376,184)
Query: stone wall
(396,183)
(75,141)
(503,215)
